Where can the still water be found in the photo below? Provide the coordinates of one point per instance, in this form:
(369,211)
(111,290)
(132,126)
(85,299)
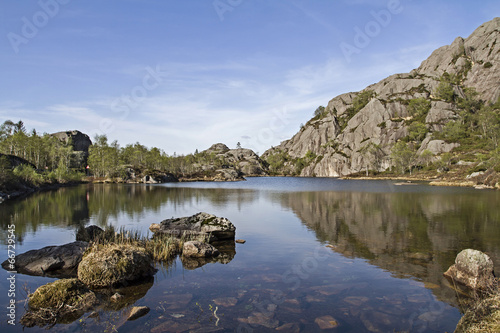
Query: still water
(364,256)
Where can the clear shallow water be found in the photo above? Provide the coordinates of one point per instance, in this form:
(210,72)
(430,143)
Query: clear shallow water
(389,245)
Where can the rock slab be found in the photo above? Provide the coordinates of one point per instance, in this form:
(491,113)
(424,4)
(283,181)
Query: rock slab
(201,224)
(54,261)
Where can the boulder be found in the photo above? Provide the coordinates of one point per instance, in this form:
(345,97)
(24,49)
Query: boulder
(201,224)
(199,249)
(90,233)
(472,268)
(114,265)
(59,301)
(53,261)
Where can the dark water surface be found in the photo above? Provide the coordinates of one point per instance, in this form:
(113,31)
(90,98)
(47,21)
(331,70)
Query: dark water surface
(388,246)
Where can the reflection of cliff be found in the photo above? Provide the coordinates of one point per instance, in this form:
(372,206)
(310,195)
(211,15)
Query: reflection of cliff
(75,206)
(408,234)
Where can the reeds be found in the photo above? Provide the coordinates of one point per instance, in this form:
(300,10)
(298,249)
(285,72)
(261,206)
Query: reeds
(161,247)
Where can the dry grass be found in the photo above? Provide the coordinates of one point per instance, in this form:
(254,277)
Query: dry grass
(483,315)
(161,247)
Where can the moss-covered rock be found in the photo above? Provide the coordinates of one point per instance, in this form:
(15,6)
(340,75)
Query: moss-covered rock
(60,301)
(112,265)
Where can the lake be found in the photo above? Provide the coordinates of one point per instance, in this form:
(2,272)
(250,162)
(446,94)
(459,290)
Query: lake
(361,255)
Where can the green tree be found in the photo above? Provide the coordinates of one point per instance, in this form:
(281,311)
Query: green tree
(445,92)
(403,156)
(426,157)
(419,107)
(417,131)
(320,110)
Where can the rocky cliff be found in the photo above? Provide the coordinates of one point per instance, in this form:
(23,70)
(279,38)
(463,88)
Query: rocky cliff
(357,130)
(80,143)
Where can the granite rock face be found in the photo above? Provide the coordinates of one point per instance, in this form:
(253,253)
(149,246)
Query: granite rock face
(340,139)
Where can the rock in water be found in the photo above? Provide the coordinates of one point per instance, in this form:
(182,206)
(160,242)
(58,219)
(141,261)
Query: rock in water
(201,224)
(112,265)
(473,269)
(137,312)
(90,233)
(57,300)
(199,249)
(54,261)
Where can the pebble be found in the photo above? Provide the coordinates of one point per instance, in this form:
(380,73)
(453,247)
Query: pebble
(137,312)
(326,322)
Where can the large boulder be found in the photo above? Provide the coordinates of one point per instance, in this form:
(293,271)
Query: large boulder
(472,268)
(201,224)
(54,261)
(59,301)
(114,265)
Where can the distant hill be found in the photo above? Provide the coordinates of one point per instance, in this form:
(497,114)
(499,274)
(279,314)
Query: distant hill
(445,105)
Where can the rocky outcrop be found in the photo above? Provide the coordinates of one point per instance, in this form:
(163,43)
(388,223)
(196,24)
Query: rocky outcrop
(80,143)
(357,130)
(473,269)
(244,161)
(54,261)
(114,265)
(201,224)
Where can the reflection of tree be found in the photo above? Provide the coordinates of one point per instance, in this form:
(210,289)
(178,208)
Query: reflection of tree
(75,206)
(409,234)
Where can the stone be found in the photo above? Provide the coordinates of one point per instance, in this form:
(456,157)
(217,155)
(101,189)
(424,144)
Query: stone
(473,269)
(116,297)
(53,261)
(199,249)
(326,322)
(201,224)
(154,227)
(113,265)
(137,312)
(63,298)
(290,328)
(90,233)
(226,301)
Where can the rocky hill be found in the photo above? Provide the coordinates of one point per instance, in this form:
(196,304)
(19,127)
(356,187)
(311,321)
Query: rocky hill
(358,131)
(221,163)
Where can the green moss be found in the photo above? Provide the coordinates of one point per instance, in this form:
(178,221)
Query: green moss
(52,295)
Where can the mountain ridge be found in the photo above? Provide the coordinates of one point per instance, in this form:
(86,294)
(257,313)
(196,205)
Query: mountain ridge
(357,131)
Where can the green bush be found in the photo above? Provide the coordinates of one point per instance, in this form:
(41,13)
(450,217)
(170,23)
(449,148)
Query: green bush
(28,174)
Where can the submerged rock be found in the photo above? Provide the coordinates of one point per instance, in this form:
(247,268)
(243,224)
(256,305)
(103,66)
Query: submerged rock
(472,268)
(111,265)
(201,224)
(54,261)
(137,312)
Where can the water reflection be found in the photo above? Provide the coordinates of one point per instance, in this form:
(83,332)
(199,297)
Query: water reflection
(413,234)
(409,234)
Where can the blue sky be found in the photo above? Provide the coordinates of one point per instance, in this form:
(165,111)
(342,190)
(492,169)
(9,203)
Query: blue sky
(181,75)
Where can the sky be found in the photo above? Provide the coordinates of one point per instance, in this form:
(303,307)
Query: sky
(181,75)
